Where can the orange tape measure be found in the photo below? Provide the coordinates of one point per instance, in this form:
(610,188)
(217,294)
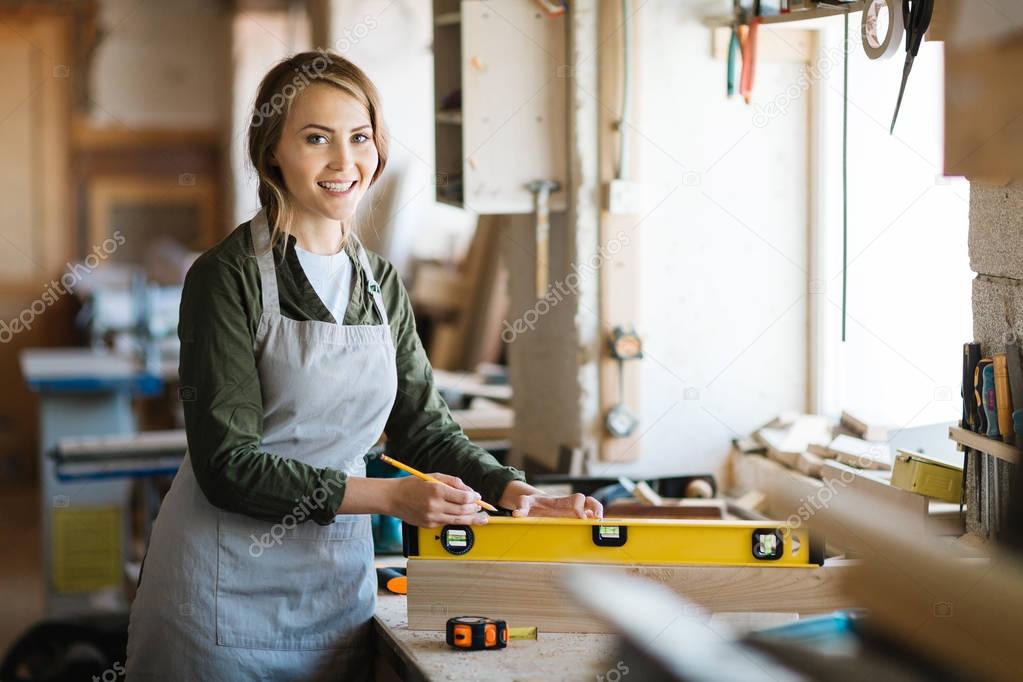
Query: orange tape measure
(476,632)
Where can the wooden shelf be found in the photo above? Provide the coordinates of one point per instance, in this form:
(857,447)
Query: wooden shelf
(990,446)
(821,11)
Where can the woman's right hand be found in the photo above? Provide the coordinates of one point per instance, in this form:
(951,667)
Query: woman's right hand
(429,505)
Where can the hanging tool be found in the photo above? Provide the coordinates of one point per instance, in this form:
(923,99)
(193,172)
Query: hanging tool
(916,15)
(541,190)
(625,345)
(749,54)
(475,633)
(734,47)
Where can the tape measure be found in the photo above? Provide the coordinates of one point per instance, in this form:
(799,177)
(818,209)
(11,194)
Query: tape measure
(476,632)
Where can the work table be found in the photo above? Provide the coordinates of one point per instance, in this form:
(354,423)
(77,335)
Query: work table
(424,655)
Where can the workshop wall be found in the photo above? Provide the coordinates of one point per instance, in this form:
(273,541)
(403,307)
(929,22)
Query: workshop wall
(724,307)
(996,255)
(161,65)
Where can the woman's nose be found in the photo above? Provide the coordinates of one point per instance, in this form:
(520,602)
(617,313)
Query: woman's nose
(341,158)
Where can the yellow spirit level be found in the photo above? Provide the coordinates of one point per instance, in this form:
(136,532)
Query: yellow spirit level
(619,541)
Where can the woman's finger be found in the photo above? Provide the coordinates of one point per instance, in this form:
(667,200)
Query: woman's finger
(524,506)
(452,481)
(479,519)
(594,508)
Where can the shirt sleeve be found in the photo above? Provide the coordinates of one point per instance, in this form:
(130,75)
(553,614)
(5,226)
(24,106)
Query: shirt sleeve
(420,429)
(223,406)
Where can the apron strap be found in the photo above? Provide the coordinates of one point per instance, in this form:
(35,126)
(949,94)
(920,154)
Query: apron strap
(374,288)
(260,230)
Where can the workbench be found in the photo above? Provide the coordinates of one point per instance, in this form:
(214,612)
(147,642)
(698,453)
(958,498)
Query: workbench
(424,656)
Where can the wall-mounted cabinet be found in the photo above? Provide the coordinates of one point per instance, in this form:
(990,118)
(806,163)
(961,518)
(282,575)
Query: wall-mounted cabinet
(500,80)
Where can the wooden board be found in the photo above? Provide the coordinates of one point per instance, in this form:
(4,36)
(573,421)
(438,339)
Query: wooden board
(983,125)
(532,594)
(954,611)
(989,446)
(669,509)
(916,509)
(620,273)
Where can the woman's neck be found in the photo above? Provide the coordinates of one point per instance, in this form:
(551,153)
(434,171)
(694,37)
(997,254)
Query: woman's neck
(317,235)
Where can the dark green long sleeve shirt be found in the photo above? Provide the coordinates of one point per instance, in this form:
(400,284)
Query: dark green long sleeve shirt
(220,389)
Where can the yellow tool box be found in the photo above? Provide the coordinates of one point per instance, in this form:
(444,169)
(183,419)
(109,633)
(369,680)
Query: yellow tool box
(619,541)
(923,475)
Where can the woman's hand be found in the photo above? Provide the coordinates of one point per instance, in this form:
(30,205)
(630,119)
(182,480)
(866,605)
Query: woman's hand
(429,505)
(525,500)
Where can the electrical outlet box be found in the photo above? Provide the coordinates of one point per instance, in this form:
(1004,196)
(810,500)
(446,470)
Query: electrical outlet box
(625,197)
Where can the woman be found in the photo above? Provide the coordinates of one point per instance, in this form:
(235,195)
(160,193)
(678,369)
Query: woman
(298,348)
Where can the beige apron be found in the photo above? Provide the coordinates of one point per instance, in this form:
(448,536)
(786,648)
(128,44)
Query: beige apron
(227,597)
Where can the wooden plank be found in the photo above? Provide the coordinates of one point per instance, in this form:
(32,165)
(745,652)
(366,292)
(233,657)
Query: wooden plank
(916,509)
(983,125)
(958,612)
(532,593)
(989,446)
(620,273)
(668,509)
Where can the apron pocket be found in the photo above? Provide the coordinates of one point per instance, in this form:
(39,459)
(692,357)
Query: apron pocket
(310,588)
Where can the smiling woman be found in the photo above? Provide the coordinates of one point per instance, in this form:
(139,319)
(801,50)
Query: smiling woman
(317,145)
(260,563)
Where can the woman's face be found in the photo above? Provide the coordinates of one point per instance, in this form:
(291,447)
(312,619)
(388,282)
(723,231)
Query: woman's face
(326,152)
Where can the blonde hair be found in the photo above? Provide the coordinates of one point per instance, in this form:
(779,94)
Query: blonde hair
(278,89)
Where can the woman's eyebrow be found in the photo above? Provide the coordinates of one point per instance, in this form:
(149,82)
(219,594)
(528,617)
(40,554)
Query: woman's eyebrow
(331,130)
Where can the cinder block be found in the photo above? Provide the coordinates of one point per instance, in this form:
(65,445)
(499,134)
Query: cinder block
(997,312)
(996,230)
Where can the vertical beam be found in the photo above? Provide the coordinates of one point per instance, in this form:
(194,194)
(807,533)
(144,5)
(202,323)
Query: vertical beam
(619,272)
(320,22)
(584,212)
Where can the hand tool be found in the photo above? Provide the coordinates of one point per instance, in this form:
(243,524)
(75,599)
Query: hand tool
(749,54)
(916,16)
(625,345)
(393,579)
(426,477)
(542,190)
(641,541)
(475,633)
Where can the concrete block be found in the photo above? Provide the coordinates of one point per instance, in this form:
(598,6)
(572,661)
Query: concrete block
(996,230)
(997,312)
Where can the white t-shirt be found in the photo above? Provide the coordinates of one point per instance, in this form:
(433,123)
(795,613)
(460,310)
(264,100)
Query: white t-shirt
(331,277)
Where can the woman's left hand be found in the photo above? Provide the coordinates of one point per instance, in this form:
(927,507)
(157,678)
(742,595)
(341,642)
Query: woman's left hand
(525,500)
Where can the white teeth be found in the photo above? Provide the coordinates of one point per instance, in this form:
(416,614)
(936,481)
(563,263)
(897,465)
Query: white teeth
(336,186)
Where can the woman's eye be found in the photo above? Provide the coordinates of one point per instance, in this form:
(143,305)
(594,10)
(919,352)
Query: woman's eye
(316,138)
(359,137)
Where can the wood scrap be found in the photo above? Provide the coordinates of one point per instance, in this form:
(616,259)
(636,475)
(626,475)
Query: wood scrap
(861,429)
(788,440)
(809,464)
(862,454)
(668,509)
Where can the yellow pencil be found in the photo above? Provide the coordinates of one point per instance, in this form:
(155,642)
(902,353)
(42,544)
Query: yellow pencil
(427,477)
